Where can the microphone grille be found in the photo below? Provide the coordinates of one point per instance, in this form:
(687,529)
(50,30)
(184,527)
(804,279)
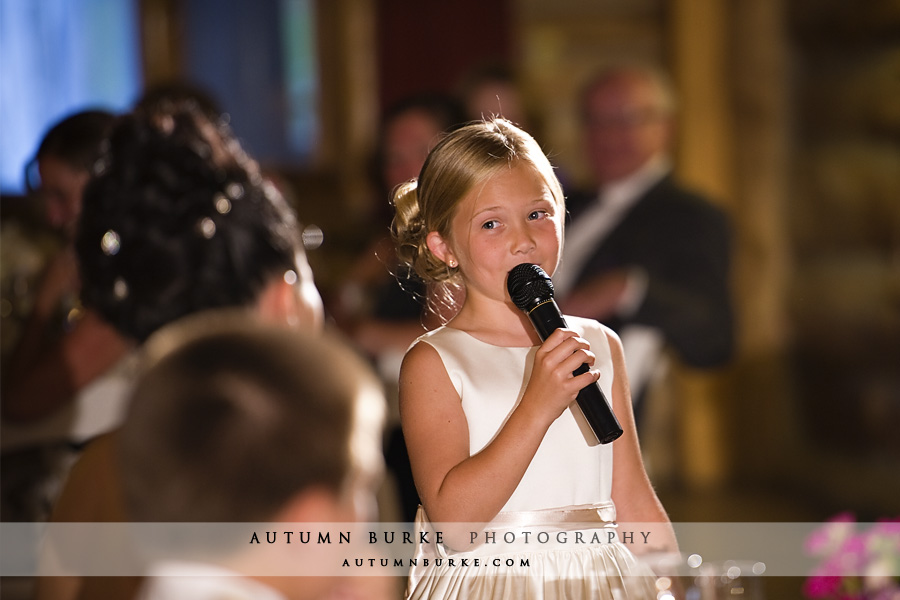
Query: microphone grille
(528,285)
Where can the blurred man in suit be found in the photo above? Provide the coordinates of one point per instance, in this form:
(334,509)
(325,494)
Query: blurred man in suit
(644,255)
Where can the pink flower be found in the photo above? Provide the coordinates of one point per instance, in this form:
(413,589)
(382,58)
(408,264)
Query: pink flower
(852,556)
(821,586)
(892,593)
(831,535)
(888,529)
(855,566)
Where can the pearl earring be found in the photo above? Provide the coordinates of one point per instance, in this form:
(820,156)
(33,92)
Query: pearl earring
(452,264)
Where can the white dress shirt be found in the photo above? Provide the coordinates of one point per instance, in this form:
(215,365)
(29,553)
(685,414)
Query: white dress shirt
(642,344)
(197,581)
(600,218)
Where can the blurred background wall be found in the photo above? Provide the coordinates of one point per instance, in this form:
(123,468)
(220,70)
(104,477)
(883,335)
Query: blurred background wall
(790,119)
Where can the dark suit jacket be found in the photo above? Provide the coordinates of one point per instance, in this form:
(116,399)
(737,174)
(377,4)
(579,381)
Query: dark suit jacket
(683,243)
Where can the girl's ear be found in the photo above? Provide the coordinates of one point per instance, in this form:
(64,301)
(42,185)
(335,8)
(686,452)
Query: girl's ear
(439,248)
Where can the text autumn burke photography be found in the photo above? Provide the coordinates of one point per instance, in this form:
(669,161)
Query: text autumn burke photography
(437,537)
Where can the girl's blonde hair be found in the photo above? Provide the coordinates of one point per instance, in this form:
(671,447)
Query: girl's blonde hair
(464,158)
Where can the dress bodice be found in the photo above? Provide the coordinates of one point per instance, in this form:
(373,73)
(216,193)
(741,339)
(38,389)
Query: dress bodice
(490,381)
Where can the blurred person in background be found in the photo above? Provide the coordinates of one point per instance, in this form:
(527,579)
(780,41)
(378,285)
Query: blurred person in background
(643,254)
(494,89)
(68,369)
(381,305)
(64,347)
(379,314)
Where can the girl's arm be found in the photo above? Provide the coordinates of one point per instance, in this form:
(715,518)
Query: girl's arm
(456,487)
(635,499)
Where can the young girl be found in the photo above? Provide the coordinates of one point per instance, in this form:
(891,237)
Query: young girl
(486,408)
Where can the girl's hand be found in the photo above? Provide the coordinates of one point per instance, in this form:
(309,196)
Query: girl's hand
(553,387)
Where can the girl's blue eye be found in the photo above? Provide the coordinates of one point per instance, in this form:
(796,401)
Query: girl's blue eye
(489,225)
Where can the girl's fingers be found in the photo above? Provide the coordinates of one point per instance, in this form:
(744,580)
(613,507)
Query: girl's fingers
(568,350)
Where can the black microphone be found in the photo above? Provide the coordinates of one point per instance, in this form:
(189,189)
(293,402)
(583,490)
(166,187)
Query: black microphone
(532,291)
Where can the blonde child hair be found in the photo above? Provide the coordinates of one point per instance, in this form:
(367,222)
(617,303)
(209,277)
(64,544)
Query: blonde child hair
(471,155)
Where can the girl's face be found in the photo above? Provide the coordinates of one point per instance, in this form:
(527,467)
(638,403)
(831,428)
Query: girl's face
(509,219)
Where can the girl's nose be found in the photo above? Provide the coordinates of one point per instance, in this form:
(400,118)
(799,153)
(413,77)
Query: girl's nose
(523,242)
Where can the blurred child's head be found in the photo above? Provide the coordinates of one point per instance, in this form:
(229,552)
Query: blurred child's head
(233,420)
(237,421)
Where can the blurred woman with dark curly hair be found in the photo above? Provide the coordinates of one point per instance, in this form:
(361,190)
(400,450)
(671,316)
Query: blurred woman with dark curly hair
(178,220)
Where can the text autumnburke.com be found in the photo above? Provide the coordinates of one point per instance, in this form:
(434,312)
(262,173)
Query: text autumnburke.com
(437,562)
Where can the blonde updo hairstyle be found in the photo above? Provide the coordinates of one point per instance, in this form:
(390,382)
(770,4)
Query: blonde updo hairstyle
(463,159)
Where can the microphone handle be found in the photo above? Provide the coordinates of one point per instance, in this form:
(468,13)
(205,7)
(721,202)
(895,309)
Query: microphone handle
(547,318)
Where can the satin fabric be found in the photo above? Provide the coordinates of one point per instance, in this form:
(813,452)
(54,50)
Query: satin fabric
(566,488)
(566,470)
(543,555)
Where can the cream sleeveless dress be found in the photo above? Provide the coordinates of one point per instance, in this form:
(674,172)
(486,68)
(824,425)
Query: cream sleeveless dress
(556,536)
